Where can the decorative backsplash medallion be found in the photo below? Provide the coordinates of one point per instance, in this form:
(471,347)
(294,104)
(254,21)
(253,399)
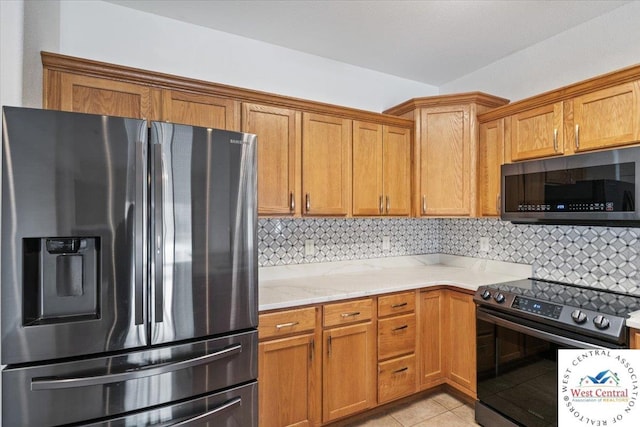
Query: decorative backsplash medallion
(598,257)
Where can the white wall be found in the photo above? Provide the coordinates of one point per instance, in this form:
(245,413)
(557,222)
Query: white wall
(11,38)
(115,34)
(604,44)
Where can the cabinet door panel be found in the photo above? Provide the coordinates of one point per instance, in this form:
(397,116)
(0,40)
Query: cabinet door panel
(286,382)
(367,169)
(432,370)
(396,172)
(461,342)
(607,118)
(349,377)
(537,133)
(445,157)
(279,139)
(490,157)
(200,110)
(83,94)
(326,164)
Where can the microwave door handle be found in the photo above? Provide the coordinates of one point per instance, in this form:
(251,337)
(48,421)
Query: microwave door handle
(210,414)
(164,368)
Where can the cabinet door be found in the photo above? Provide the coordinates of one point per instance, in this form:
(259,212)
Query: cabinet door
(607,118)
(200,110)
(490,157)
(349,376)
(461,341)
(634,334)
(326,164)
(537,133)
(288,382)
(431,311)
(84,94)
(367,169)
(279,141)
(396,170)
(445,161)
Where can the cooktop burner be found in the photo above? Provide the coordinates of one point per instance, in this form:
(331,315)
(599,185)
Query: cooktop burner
(598,313)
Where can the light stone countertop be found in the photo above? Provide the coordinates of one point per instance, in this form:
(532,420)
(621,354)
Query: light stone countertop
(303,284)
(634,320)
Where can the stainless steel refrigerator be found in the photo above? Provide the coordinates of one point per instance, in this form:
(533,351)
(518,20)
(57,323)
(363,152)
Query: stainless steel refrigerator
(129,272)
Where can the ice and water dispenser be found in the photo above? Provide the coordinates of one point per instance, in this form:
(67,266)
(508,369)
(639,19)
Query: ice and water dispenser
(60,279)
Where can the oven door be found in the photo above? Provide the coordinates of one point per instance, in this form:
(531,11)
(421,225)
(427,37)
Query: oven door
(517,369)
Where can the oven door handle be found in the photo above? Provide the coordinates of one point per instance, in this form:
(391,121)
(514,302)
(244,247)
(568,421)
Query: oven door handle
(536,333)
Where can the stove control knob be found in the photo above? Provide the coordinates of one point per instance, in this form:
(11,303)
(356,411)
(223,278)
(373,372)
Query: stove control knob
(578,316)
(486,294)
(499,298)
(601,322)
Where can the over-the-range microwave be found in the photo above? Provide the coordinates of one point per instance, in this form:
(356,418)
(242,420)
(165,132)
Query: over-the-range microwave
(599,188)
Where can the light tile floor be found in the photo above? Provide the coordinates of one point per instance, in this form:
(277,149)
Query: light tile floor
(435,410)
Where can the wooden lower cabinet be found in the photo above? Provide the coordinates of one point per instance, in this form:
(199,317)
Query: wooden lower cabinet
(634,336)
(349,370)
(288,382)
(430,315)
(396,378)
(460,344)
(289,368)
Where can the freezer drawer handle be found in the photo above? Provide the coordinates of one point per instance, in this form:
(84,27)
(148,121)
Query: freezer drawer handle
(74,382)
(204,417)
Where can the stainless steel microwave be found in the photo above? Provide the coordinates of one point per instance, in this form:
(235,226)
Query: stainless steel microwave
(600,188)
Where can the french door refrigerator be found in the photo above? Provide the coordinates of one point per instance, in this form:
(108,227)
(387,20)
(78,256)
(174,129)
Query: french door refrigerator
(129,272)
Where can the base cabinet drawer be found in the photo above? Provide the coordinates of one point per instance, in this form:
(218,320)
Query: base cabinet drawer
(396,336)
(396,378)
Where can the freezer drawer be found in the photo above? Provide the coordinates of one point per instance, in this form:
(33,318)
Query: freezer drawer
(112,386)
(237,407)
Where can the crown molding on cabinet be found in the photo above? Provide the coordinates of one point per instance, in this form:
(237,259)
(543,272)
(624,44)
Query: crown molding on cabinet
(71,64)
(603,81)
(478,98)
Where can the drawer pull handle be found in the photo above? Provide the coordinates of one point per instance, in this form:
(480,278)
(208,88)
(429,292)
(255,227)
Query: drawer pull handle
(402,304)
(399,328)
(287,325)
(401,370)
(352,314)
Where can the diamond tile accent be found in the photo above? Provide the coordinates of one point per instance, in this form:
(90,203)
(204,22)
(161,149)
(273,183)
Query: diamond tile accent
(599,257)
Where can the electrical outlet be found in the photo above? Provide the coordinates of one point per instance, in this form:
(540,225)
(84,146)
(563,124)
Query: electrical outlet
(309,248)
(484,244)
(386,243)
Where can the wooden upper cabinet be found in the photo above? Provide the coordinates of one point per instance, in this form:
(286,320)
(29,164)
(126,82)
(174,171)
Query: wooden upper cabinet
(326,164)
(490,157)
(200,110)
(86,94)
(381,169)
(607,118)
(367,169)
(396,170)
(536,133)
(279,142)
(445,161)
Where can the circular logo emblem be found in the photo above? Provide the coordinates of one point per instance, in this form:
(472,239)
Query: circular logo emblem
(598,387)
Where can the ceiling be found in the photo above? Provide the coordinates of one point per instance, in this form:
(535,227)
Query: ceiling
(428,41)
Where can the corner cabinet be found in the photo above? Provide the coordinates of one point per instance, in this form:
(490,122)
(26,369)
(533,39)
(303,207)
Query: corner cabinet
(446,132)
(381,170)
(326,165)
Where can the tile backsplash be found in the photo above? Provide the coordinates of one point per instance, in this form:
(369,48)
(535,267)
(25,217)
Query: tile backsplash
(591,256)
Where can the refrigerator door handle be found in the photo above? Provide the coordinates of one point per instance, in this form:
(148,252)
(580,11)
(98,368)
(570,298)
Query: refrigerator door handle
(209,414)
(74,382)
(140,228)
(158,254)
